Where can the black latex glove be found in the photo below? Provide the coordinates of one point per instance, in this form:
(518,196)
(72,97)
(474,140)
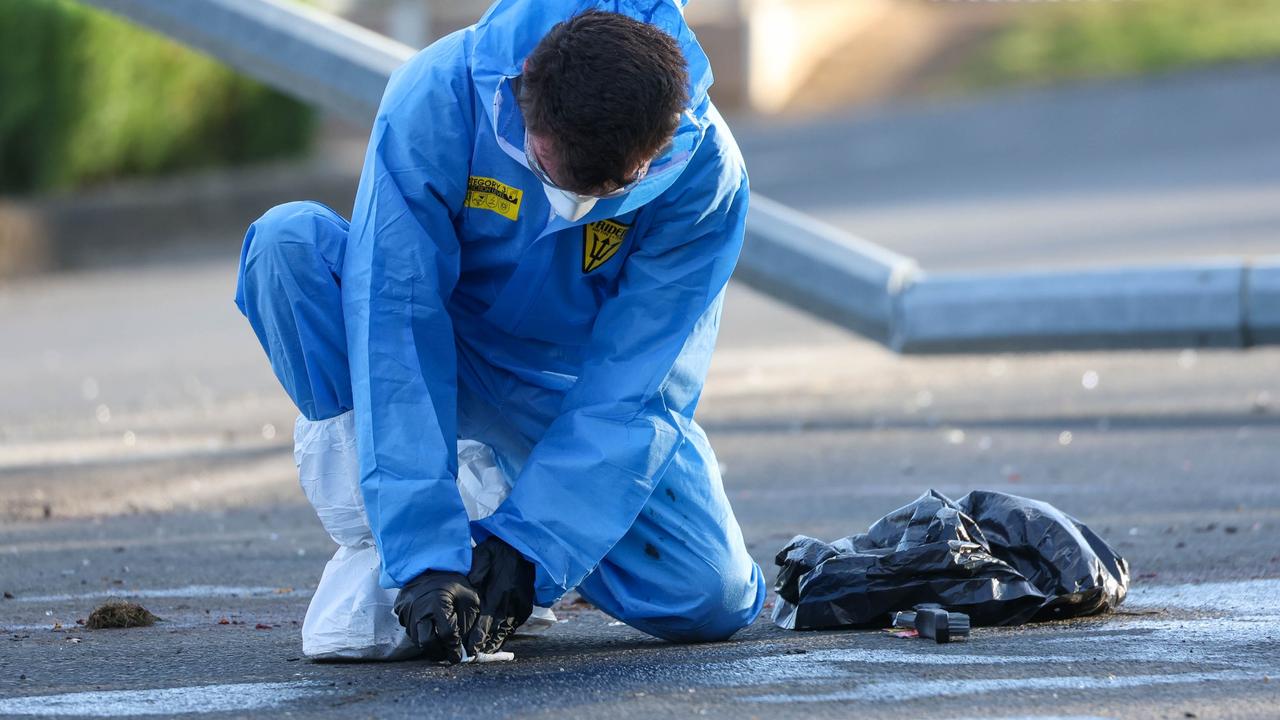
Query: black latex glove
(439,609)
(504,579)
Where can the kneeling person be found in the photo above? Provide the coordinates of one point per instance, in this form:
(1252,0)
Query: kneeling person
(548,214)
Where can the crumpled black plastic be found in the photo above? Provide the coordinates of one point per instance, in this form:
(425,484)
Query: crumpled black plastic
(1002,559)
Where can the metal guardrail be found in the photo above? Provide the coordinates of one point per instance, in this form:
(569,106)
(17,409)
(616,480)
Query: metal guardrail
(1175,306)
(793,257)
(818,268)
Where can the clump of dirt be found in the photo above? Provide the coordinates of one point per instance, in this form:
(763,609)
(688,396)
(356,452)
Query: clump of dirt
(118,614)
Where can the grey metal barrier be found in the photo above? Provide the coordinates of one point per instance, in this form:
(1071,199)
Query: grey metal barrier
(795,258)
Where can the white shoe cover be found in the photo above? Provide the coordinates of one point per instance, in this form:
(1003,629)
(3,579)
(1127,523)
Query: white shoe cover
(351,617)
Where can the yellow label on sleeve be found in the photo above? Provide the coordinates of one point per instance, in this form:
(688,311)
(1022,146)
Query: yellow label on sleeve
(488,194)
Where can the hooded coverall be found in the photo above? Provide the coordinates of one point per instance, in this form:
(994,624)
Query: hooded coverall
(457,304)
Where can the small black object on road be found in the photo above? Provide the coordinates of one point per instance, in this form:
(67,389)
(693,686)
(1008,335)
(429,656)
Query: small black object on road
(932,621)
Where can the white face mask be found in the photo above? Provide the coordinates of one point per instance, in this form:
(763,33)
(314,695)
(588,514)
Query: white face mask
(569,205)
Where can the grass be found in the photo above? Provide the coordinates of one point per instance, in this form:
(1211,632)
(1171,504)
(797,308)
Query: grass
(1049,42)
(86,97)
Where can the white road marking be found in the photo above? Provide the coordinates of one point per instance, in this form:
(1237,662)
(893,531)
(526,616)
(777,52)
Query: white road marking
(1042,718)
(190,591)
(168,625)
(165,701)
(897,691)
(815,664)
(1229,617)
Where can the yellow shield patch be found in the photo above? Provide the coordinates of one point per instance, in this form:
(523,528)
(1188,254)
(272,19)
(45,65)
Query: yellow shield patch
(488,194)
(600,241)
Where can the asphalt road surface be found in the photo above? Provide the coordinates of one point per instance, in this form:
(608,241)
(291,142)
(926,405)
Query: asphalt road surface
(145,452)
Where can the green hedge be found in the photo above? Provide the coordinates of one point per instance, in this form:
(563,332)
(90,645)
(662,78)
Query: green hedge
(1049,42)
(86,97)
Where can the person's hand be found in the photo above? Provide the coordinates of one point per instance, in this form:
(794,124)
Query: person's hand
(504,579)
(439,609)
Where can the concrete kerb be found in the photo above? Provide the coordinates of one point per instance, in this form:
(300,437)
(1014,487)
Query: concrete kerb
(187,215)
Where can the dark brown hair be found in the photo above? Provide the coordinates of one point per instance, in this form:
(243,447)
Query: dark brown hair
(607,91)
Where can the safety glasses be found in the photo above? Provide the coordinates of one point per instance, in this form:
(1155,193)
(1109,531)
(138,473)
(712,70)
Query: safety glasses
(541,173)
(512,137)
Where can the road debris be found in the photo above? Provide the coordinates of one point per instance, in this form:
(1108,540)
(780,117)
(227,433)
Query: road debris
(119,614)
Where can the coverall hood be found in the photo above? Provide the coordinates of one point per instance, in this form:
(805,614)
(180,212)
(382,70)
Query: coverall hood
(511,29)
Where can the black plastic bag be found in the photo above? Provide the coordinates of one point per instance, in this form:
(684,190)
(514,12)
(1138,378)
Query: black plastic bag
(1077,570)
(999,558)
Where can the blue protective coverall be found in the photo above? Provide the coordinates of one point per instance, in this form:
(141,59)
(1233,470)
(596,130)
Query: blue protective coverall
(455,303)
